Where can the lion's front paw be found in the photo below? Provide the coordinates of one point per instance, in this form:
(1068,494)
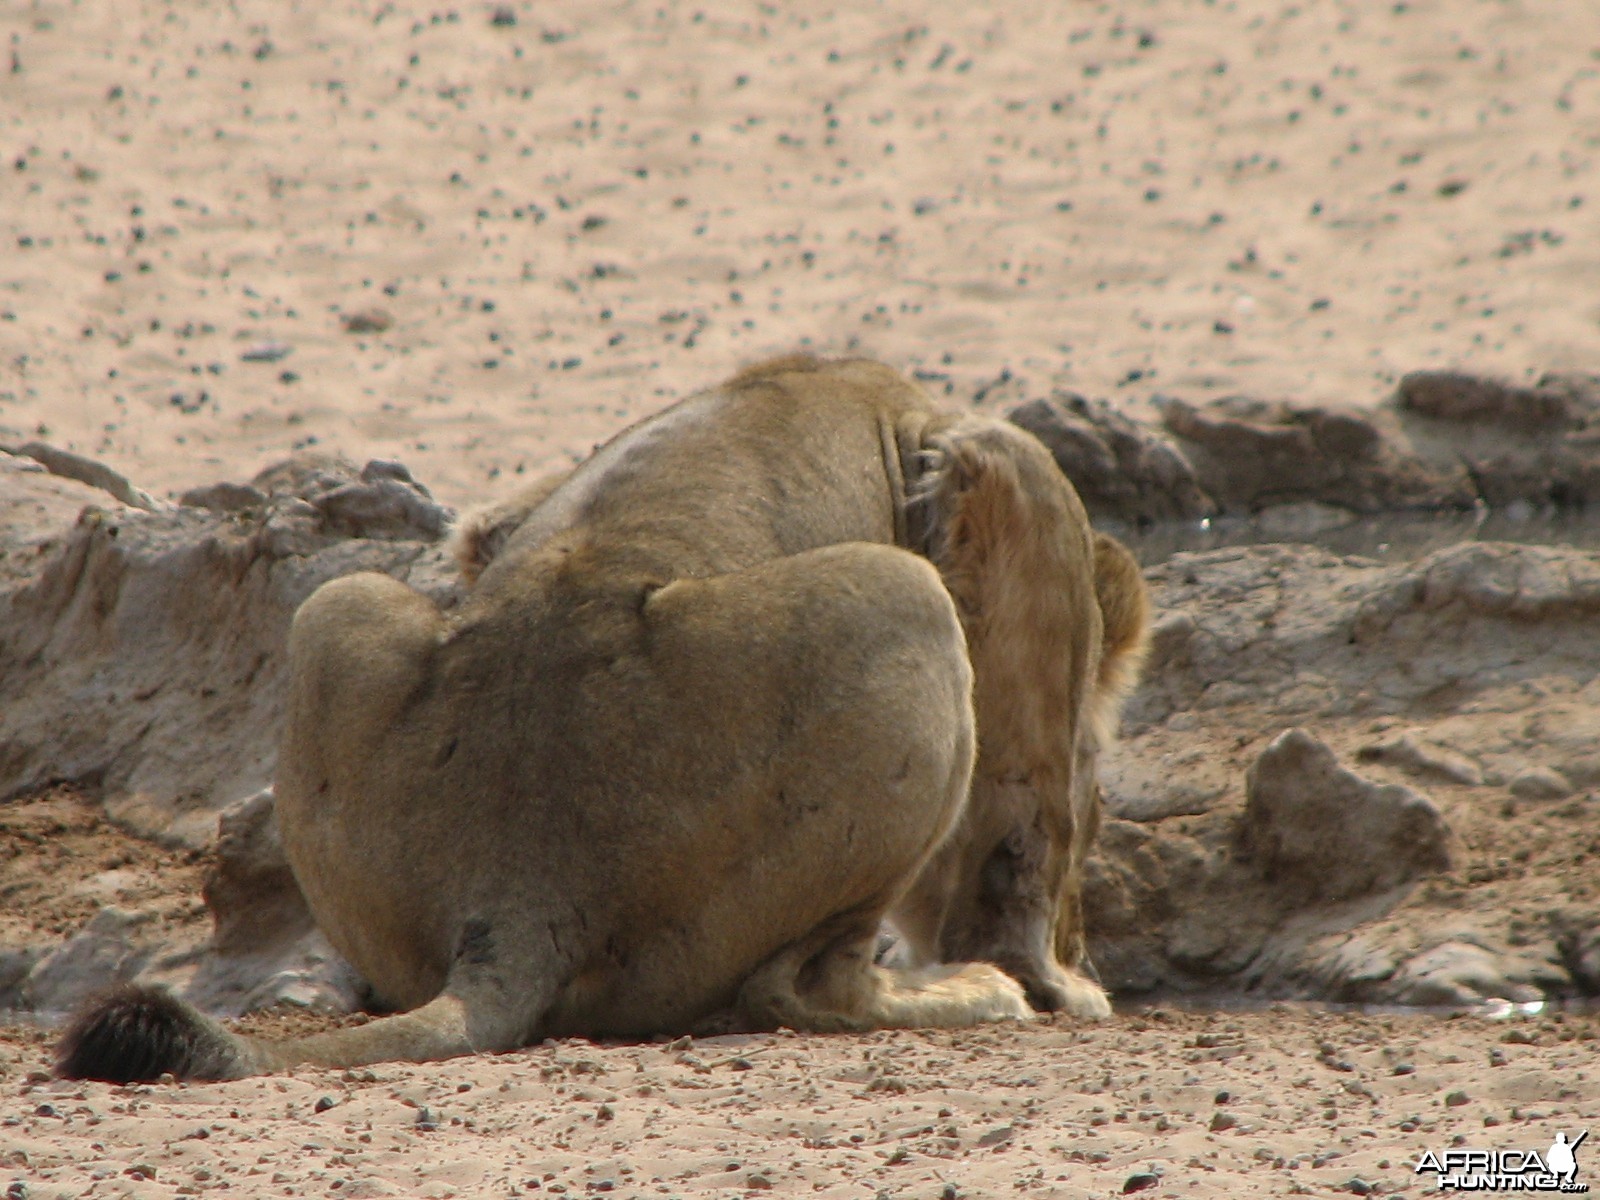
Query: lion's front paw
(1066,991)
(992,995)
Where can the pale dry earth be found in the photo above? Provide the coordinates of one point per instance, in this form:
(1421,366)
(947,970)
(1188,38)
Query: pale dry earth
(572,217)
(1273,1103)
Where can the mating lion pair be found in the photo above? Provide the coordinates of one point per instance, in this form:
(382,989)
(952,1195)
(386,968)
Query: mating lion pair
(796,657)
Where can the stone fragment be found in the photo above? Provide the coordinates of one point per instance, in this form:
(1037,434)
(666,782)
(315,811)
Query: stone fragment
(1580,949)
(224,497)
(105,952)
(1250,455)
(1120,469)
(265,948)
(1477,400)
(1540,783)
(367,320)
(1323,831)
(1523,446)
(381,500)
(1459,972)
(1419,756)
(70,465)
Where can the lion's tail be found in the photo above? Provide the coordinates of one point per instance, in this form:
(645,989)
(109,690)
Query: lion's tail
(1124,600)
(138,1034)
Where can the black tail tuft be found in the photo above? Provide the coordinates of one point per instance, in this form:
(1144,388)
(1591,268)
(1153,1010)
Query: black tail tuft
(137,1035)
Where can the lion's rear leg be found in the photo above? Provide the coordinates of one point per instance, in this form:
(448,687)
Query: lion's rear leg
(829,983)
(863,663)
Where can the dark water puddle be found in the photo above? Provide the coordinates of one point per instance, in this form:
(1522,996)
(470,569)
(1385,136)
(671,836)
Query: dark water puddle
(1392,537)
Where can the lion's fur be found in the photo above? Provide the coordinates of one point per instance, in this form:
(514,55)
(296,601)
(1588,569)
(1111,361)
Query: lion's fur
(797,656)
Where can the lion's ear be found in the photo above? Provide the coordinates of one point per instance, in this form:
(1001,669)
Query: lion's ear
(481,533)
(475,540)
(1125,615)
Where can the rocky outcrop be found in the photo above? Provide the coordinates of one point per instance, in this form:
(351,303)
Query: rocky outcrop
(1444,441)
(142,656)
(1341,777)
(1451,867)
(265,949)
(1122,471)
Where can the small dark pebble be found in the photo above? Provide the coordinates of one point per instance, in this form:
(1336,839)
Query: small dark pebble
(267,352)
(1139,1182)
(370,320)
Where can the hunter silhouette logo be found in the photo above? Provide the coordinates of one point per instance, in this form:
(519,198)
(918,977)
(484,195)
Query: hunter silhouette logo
(1562,1159)
(1507,1170)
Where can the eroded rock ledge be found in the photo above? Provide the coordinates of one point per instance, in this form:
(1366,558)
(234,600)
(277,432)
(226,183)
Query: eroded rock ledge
(1444,440)
(1341,778)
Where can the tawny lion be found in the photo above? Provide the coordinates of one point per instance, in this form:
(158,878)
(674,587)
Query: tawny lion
(799,655)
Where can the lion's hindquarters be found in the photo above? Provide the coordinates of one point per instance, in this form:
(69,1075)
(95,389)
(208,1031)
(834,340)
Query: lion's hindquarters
(353,803)
(849,677)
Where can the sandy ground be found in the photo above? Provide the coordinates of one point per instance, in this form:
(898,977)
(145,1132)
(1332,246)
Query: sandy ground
(482,242)
(1276,1101)
(570,216)
(1272,1103)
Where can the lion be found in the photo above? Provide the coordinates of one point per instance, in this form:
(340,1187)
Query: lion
(799,657)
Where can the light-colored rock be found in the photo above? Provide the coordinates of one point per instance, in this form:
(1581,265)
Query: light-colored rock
(1540,783)
(71,465)
(106,951)
(1419,756)
(264,948)
(1327,833)
(1464,973)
